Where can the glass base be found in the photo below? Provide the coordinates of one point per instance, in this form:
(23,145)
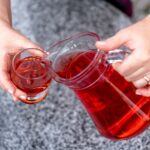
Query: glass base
(35,99)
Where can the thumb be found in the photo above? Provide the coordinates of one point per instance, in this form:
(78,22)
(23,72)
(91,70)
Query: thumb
(27,43)
(30,47)
(22,42)
(112,43)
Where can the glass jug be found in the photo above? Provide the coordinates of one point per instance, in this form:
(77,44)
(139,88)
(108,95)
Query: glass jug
(110,100)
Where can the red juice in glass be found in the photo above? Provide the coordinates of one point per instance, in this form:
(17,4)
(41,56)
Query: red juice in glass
(31,74)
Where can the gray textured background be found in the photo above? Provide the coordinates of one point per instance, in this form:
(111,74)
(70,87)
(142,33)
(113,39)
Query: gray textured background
(60,122)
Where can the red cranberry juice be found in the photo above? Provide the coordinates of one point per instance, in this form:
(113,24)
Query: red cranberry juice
(110,100)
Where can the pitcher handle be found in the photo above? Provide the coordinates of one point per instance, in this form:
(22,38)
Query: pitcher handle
(117,55)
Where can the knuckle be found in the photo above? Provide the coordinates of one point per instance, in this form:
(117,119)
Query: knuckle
(136,84)
(144,58)
(122,31)
(122,34)
(128,79)
(122,72)
(118,68)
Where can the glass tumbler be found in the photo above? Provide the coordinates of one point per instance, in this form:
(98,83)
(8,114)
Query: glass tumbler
(30,72)
(117,112)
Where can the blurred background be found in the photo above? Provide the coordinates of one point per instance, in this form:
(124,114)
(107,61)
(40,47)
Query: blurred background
(141,8)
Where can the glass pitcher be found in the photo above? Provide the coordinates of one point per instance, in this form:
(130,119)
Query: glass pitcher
(110,100)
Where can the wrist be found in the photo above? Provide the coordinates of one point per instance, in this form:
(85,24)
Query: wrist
(5,15)
(4,23)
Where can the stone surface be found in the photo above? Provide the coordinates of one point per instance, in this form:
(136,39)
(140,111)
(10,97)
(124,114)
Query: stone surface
(60,122)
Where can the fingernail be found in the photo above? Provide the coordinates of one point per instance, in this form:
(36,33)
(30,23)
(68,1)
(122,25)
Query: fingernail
(10,91)
(22,97)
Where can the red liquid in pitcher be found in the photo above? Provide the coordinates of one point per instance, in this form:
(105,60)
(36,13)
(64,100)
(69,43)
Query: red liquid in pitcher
(117,111)
(35,74)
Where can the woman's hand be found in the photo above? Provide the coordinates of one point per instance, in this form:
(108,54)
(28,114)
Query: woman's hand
(136,67)
(11,42)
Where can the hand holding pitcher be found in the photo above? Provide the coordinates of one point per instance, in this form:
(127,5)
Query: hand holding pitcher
(136,67)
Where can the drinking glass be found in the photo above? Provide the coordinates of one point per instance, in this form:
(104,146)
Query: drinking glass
(30,72)
(118,113)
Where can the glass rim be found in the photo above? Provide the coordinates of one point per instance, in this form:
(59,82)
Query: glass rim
(19,52)
(85,70)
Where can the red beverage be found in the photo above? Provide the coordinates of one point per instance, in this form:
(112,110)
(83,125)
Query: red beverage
(31,75)
(110,100)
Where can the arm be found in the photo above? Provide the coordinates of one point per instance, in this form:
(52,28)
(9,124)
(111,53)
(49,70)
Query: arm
(10,42)
(5,13)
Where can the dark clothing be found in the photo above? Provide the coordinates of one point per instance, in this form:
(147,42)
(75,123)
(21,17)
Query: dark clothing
(124,5)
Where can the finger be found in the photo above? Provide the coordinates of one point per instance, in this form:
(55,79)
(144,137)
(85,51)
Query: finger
(140,73)
(143,91)
(22,42)
(36,52)
(19,95)
(129,65)
(2,86)
(5,79)
(112,43)
(5,76)
(6,82)
(14,98)
(140,83)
